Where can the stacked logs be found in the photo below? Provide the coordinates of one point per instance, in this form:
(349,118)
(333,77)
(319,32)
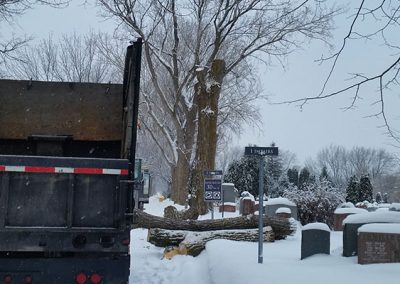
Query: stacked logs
(194,234)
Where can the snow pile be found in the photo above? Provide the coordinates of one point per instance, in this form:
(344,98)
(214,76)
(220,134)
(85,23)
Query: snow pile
(380,228)
(395,207)
(348,210)
(373,217)
(280,201)
(247,196)
(156,208)
(283,210)
(316,226)
(346,205)
(230,262)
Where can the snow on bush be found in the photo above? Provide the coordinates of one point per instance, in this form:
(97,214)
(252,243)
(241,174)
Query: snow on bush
(316,202)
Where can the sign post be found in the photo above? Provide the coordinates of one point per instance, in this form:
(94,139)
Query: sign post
(212,187)
(261,152)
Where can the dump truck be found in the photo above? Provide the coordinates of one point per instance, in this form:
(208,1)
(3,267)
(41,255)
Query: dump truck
(67,160)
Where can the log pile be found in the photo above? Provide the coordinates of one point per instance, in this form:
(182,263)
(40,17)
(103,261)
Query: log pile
(193,243)
(191,236)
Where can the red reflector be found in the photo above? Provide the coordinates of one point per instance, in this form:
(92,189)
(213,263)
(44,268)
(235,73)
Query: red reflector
(126,242)
(7,279)
(94,171)
(27,279)
(95,278)
(80,278)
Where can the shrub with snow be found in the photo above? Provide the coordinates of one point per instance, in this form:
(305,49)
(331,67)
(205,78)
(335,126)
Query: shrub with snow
(316,202)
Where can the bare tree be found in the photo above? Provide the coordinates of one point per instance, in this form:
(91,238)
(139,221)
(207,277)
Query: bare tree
(198,55)
(342,163)
(386,15)
(9,11)
(73,58)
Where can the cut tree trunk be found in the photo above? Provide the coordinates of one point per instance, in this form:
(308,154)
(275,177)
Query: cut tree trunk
(282,227)
(207,92)
(193,243)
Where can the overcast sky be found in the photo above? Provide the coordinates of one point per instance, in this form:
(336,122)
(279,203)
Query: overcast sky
(303,132)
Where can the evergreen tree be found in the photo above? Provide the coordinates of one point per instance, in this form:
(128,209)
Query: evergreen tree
(305,178)
(365,189)
(324,174)
(385,198)
(293,176)
(352,190)
(244,174)
(378,197)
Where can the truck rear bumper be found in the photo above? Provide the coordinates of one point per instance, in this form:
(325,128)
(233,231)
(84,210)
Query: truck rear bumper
(112,270)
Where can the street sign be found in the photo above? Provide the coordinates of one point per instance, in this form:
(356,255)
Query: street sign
(261,151)
(212,173)
(212,189)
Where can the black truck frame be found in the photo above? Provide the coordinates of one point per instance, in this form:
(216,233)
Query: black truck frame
(67,154)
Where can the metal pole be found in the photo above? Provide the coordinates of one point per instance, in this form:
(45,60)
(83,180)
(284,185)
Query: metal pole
(260,209)
(223,203)
(212,210)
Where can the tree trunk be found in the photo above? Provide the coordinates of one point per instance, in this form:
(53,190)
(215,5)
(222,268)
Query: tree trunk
(180,176)
(282,227)
(181,171)
(207,92)
(195,242)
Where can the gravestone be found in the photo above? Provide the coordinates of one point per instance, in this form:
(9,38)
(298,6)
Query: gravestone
(246,206)
(350,238)
(315,239)
(272,204)
(355,221)
(230,207)
(230,192)
(229,198)
(379,243)
(341,213)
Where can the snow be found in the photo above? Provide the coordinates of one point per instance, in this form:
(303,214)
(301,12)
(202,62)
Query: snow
(229,262)
(247,196)
(346,205)
(380,228)
(395,206)
(316,226)
(283,210)
(280,200)
(230,203)
(348,210)
(373,217)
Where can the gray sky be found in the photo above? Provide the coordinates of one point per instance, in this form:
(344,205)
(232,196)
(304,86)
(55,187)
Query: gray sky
(303,132)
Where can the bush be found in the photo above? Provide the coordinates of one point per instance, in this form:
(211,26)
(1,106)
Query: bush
(316,202)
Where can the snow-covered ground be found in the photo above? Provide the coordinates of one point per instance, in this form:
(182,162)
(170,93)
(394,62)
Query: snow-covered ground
(229,262)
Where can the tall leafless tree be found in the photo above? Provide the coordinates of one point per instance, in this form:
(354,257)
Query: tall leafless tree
(342,163)
(385,16)
(9,11)
(73,58)
(200,55)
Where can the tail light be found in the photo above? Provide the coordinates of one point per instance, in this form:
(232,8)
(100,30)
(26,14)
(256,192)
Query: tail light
(95,278)
(80,278)
(28,279)
(7,279)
